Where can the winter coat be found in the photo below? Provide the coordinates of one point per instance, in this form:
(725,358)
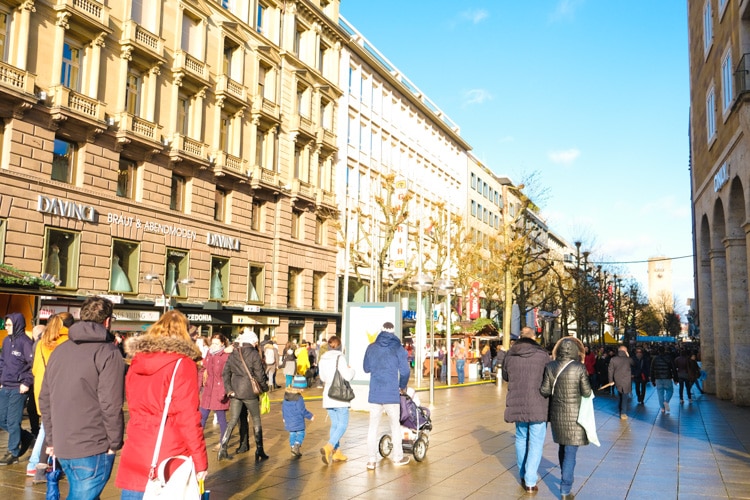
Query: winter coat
(270,355)
(662,367)
(590,362)
(686,368)
(303,361)
(621,372)
(146,388)
(294,412)
(523,370)
(385,361)
(41,358)
(214,397)
(17,355)
(235,376)
(289,362)
(641,368)
(327,370)
(82,393)
(572,383)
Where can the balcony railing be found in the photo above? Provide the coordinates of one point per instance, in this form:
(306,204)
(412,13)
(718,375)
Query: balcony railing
(181,143)
(185,62)
(265,106)
(326,137)
(21,80)
(133,33)
(139,126)
(742,75)
(227,86)
(229,162)
(304,125)
(88,9)
(76,102)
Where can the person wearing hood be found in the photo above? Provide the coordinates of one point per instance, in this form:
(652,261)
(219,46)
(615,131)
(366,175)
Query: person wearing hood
(621,374)
(565,382)
(15,381)
(385,361)
(81,400)
(154,356)
(338,411)
(523,369)
(245,358)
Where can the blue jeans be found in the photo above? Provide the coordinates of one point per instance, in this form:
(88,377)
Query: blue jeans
(37,451)
(296,437)
(131,495)
(460,370)
(87,476)
(664,389)
(529,444)
(12,403)
(339,422)
(567,456)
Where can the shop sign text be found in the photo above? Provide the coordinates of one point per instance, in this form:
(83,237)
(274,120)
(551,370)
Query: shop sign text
(222,241)
(150,226)
(68,209)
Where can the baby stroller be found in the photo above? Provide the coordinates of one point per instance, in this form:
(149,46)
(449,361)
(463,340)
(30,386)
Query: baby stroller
(415,429)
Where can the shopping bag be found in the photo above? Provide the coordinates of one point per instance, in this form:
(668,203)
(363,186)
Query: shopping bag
(586,419)
(265,404)
(182,484)
(53,481)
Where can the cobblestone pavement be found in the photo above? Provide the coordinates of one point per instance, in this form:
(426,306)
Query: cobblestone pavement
(699,450)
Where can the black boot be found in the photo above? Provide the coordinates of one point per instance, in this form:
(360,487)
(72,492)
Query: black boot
(244,446)
(223,453)
(259,453)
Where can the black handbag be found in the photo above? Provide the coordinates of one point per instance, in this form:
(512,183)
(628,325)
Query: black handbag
(340,389)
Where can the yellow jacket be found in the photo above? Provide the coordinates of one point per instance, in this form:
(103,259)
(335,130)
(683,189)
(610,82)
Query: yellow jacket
(41,358)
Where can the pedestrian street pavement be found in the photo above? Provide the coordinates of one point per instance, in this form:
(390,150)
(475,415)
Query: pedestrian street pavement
(700,450)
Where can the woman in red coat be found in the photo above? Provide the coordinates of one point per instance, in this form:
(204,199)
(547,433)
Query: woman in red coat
(154,357)
(214,397)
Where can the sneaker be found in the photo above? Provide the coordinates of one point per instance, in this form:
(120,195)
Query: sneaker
(40,476)
(370,465)
(296,450)
(666,407)
(403,461)
(31,472)
(623,417)
(9,459)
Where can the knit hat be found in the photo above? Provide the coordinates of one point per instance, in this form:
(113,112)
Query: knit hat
(248,337)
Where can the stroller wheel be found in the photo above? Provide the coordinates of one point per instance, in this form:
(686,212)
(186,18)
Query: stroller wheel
(420,449)
(386,445)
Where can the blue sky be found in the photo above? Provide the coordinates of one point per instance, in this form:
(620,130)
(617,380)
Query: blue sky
(591,94)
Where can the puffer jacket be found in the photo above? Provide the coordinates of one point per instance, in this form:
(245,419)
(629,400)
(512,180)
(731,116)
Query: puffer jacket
(385,361)
(662,367)
(621,372)
(523,369)
(572,383)
(235,377)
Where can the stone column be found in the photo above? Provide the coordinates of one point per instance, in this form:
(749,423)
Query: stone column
(57,56)
(705,314)
(21,43)
(126,55)
(196,124)
(721,323)
(96,53)
(150,104)
(739,316)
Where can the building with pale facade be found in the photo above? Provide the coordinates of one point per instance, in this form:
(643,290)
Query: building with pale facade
(660,289)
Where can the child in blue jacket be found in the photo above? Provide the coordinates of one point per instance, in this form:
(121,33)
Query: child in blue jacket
(294,413)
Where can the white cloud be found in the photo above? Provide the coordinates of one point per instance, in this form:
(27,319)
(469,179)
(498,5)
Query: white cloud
(565,9)
(565,157)
(475,16)
(476,96)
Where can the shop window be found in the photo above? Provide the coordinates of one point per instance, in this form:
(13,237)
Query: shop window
(126,179)
(177,269)
(177,197)
(220,205)
(294,287)
(320,228)
(219,286)
(297,221)
(318,290)
(256,220)
(124,268)
(61,249)
(63,161)
(256,283)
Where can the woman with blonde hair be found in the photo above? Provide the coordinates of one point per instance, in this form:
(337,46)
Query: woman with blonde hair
(155,355)
(54,334)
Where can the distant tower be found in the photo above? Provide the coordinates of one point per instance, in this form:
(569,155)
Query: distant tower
(660,281)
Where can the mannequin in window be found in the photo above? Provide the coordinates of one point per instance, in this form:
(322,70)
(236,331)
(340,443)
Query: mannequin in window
(119,280)
(53,261)
(217,290)
(170,286)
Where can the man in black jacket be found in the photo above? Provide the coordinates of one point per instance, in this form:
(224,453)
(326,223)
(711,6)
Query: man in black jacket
(523,369)
(663,377)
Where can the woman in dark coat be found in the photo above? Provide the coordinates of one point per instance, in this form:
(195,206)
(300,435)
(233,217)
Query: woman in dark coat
(565,382)
(214,397)
(239,389)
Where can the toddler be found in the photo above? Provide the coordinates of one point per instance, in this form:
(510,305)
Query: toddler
(294,413)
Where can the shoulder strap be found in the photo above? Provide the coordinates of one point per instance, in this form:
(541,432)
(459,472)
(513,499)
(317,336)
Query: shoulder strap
(558,375)
(167,400)
(242,358)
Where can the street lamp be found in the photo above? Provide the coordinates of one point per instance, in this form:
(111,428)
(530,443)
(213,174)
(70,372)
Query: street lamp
(444,286)
(167,297)
(422,282)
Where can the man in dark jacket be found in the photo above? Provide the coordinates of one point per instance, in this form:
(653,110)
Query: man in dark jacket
(81,400)
(663,377)
(641,370)
(15,381)
(385,361)
(523,369)
(621,374)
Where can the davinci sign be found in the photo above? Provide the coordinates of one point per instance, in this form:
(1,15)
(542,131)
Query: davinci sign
(68,209)
(721,177)
(222,241)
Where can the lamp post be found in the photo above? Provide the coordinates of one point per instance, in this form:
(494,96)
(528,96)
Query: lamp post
(167,297)
(444,286)
(421,283)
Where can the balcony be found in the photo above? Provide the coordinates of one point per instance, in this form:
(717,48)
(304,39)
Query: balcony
(143,40)
(76,105)
(224,164)
(303,192)
(135,129)
(325,198)
(90,14)
(303,126)
(183,148)
(263,178)
(187,66)
(266,109)
(229,90)
(16,79)
(326,138)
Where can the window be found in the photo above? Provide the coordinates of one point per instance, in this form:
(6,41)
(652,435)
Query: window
(133,93)
(63,161)
(303,101)
(224,132)
(473,181)
(297,221)
(177,271)
(71,66)
(177,195)
(260,18)
(473,208)
(255,283)
(126,179)
(231,63)
(256,221)
(4,36)
(711,114)
(320,228)
(297,162)
(299,32)
(708,32)
(192,38)
(318,290)
(124,268)
(260,144)
(220,201)
(727,93)
(322,51)
(183,115)
(294,287)
(219,287)
(61,257)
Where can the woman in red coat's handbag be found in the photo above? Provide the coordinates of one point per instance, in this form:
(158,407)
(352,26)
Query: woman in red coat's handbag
(154,357)
(214,397)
